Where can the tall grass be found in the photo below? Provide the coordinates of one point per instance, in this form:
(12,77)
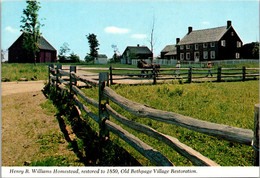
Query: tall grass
(224,103)
(14,71)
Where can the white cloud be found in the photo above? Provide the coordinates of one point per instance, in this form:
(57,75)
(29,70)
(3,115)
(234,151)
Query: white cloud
(11,30)
(205,23)
(116,30)
(139,36)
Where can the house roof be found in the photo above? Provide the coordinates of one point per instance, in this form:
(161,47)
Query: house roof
(102,56)
(138,49)
(169,50)
(204,36)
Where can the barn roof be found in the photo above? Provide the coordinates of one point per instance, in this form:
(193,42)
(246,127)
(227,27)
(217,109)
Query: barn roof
(204,36)
(43,43)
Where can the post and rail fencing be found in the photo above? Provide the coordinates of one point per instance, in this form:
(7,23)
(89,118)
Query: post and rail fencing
(107,95)
(195,75)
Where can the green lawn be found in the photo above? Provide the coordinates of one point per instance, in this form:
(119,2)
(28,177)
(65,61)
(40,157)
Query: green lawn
(224,103)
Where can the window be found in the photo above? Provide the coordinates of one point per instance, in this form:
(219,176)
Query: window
(196,46)
(223,43)
(212,44)
(205,45)
(237,55)
(181,47)
(212,54)
(238,44)
(232,33)
(182,56)
(187,46)
(205,54)
(187,55)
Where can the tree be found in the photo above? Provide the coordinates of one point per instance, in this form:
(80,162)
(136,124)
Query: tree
(93,45)
(64,49)
(74,57)
(2,55)
(31,28)
(255,51)
(151,41)
(116,56)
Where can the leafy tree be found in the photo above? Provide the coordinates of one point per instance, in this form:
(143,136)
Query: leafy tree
(31,28)
(255,51)
(64,49)
(74,57)
(2,55)
(93,45)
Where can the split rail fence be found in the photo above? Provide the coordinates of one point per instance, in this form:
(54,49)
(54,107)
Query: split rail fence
(189,74)
(107,95)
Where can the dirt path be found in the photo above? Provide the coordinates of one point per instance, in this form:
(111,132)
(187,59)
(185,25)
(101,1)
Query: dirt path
(30,131)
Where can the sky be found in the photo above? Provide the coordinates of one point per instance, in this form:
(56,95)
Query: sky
(129,22)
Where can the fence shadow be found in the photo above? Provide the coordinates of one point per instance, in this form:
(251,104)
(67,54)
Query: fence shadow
(88,146)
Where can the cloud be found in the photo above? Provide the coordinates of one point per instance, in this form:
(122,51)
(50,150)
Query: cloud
(205,23)
(139,36)
(11,30)
(116,30)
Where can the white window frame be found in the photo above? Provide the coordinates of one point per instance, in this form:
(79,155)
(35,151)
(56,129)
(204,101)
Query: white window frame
(182,47)
(205,55)
(212,54)
(223,43)
(182,56)
(239,44)
(237,55)
(196,46)
(187,46)
(187,55)
(205,45)
(212,44)
(232,33)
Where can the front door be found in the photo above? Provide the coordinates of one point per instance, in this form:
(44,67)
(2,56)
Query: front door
(197,56)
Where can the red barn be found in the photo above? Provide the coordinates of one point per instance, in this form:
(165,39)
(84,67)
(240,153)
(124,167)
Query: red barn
(17,54)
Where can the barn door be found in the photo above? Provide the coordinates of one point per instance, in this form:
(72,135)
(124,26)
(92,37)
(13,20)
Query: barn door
(41,57)
(47,57)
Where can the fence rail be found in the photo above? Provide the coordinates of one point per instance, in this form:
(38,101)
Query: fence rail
(191,74)
(106,94)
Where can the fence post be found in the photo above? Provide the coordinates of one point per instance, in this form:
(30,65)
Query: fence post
(73,81)
(190,75)
(49,71)
(154,75)
(111,74)
(219,74)
(244,73)
(58,75)
(103,115)
(256,136)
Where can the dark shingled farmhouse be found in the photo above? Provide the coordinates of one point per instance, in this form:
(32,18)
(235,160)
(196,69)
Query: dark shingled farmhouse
(17,54)
(210,44)
(136,52)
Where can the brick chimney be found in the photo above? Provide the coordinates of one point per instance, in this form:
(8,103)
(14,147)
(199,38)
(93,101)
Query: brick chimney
(177,40)
(189,30)
(229,23)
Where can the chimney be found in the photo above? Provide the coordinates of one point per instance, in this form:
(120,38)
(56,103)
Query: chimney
(138,45)
(177,40)
(229,23)
(189,30)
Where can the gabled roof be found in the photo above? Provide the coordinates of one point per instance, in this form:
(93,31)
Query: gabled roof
(171,49)
(43,43)
(102,56)
(204,36)
(138,50)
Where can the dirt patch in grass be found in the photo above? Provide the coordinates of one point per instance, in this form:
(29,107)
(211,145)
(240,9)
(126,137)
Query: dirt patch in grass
(31,133)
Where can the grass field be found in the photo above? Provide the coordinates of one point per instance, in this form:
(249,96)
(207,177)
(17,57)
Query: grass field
(224,103)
